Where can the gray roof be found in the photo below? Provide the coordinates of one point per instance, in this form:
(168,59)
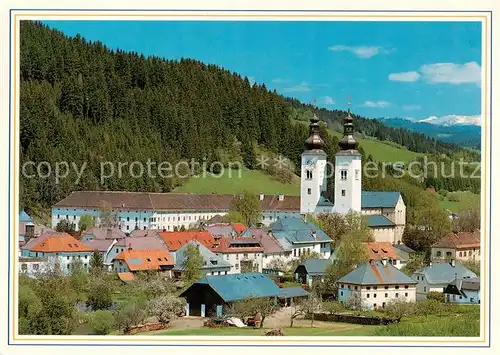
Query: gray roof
(207,255)
(142,243)
(376,273)
(295,230)
(235,287)
(376,199)
(104,233)
(315,266)
(403,248)
(444,273)
(379,221)
(101,245)
(289,292)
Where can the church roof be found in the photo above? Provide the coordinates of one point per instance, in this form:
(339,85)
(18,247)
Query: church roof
(379,221)
(375,199)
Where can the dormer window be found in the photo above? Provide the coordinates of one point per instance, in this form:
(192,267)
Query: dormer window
(343,174)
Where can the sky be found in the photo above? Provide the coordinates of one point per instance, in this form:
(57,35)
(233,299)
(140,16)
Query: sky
(386,69)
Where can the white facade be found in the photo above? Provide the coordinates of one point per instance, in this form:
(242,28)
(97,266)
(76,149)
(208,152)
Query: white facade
(347,183)
(313,180)
(170,220)
(376,296)
(235,260)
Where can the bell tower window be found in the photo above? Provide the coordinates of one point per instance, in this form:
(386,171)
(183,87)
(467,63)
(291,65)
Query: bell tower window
(343,174)
(309,174)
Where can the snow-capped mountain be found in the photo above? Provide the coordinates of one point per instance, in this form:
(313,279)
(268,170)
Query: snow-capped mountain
(462,130)
(452,120)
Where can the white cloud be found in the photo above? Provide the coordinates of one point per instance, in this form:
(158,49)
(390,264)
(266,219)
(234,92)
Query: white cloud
(376,104)
(302,87)
(408,76)
(327,100)
(452,73)
(279,81)
(412,107)
(363,52)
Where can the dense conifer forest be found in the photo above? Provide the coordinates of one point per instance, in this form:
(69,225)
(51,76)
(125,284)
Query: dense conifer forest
(84,103)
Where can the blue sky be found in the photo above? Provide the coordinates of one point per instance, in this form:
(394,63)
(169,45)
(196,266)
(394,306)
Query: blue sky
(388,69)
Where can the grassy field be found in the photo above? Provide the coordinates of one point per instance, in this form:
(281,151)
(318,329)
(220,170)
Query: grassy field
(338,329)
(232,181)
(468,200)
(382,151)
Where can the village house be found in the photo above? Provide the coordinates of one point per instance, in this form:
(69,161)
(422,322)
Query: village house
(436,276)
(406,253)
(102,234)
(209,295)
(212,263)
(272,248)
(311,270)
(59,248)
(225,229)
(460,246)
(299,237)
(33,267)
(134,243)
(245,254)
(463,291)
(132,261)
(383,250)
(176,240)
(374,285)
(29,229)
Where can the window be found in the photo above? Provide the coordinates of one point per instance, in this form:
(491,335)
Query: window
(383,304)
(355,287)
(144,219)
(237,256)
(425,289)
(24,267)
(127,227)
(374,287)
(374,305)
(227,256)
(386,287)
(343,192)
(309,174)
(386,295)
(367,295)
(438,254)
(67,258)
(406,294)
(368,287)
(472,299)
(74,217)
(245,256)
(448,253)
(397,287)
(396,295)
(406,286)
(341,293)
(36,267)
(343,174)
(237,266)
(470,252)
(374,295)
(309,191)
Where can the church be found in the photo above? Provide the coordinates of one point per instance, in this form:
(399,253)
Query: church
(385,211)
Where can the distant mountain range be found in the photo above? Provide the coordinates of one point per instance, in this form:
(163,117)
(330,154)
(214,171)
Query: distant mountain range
(462,130)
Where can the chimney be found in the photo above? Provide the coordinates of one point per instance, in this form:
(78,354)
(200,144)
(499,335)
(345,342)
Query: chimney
(384,261)
(261,196)
(452,262)
(281,197)
(109,233)
(314,235)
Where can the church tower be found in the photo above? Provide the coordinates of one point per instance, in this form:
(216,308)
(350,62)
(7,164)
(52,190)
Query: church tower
(348,171)
(313,170)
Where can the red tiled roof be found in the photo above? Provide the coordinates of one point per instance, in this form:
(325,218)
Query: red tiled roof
(460,240)
(238,227)
(237,245)
(169,201)
(126,276)
(57,243)
(381,250)
(176,240)
(137,260)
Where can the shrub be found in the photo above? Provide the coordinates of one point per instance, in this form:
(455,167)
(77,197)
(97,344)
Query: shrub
(399,309)
(102,322)
(333,307)
(443,192)
(438,296)
(431,306)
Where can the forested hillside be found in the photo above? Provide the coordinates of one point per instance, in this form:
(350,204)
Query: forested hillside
(83,103)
